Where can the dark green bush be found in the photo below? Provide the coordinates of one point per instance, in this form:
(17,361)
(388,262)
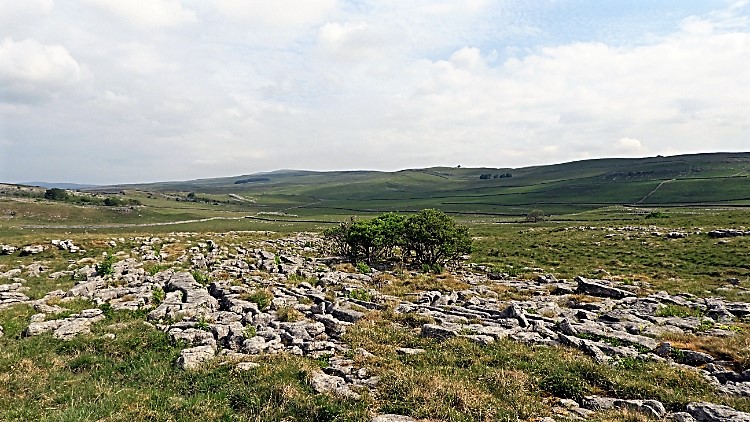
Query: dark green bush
(427,238)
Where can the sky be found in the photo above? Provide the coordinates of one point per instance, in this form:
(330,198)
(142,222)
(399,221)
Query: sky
(129,91)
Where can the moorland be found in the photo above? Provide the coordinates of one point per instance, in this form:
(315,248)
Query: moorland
(625,298)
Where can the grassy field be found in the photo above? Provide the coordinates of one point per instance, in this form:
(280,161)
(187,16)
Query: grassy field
(605,219)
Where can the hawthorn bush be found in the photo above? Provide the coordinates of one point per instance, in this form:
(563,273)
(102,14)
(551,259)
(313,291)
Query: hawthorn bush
(428,238)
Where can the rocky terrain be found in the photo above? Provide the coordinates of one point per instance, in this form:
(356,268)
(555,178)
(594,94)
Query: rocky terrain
(236,301)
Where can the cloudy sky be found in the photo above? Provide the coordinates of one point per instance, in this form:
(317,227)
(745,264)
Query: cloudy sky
(117,91)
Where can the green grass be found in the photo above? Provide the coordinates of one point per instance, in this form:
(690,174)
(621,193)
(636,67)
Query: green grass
(588,233)
(589,244)
(460,380)
(133,377)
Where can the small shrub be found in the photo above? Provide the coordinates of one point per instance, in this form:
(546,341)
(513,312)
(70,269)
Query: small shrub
(107,310)
(56,194)
(105,267)
(363,268)
(705,325)
(360,294)
(158,295)
(201,277)
(154,269)
(262,298)
(203,324)
(288,314)
(250,331)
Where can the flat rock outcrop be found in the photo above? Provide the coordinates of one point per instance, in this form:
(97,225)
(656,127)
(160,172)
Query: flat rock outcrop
(274,297)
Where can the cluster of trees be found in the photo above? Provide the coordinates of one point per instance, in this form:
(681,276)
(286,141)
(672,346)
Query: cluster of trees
(56,194)
(427,238)
(535,216)
(486,176)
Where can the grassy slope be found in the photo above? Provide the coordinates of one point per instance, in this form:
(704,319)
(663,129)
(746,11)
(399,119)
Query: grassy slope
(688,179)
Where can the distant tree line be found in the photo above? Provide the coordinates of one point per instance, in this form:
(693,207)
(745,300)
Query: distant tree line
(486,176)
(429,238)
(62,195)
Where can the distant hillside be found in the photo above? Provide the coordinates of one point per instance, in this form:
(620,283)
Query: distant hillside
(718,179)
(49,185)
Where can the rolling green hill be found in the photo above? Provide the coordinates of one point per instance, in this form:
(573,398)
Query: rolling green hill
(307,199)
(698,179)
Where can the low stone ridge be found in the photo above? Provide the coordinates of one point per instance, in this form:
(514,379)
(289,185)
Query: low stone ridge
(259,302)
(66,328)
(650,408)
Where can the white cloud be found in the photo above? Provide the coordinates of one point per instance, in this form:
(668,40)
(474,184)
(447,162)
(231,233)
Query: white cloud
(241,86)
(148,13)
(276,13)
(15,8)
(354,41)
(451,8)
(142,59)
(29,69)
(629,146)
(468,58)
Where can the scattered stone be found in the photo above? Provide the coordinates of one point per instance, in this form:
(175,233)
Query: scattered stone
(438,331)
(708,412)
(192,358)
(32,250)
(66,245)
(600,288)
(220,318)
(515,311)
(721,233)
(691,357)
(246,366)
(346,315)
(650,408)
(409,351)
(7,249)
(330,384)
(681,417)
(392,418)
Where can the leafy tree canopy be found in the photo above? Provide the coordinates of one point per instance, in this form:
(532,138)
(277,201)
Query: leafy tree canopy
(427,238)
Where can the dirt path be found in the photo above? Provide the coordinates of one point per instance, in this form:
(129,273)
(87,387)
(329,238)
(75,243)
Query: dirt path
(655,189)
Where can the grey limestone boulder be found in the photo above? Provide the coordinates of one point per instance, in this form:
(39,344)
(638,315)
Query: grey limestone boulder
(346,315)
(7,249)
(601,288)
(438,331)
(709,412)
(330,384)
(651,408)
(193,337)
(194,357)
(392,418)
(41,327)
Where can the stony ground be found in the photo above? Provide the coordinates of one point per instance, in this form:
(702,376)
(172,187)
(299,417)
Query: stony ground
(237,301)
